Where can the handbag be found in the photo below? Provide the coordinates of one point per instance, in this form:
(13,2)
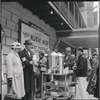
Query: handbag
(10,95)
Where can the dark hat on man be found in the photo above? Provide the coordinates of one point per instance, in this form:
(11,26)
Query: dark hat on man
(29,42)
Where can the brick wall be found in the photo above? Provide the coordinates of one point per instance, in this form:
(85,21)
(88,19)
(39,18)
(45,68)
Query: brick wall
(11,13)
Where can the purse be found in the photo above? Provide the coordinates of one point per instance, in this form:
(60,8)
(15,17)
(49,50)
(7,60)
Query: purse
(10,95)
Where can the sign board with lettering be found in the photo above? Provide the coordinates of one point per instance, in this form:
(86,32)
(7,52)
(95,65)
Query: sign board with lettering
(40,39)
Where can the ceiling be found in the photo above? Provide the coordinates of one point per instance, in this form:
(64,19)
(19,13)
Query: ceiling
(86,37)
(43,9)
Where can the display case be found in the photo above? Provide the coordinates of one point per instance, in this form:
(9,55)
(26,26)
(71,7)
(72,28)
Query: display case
(57,87)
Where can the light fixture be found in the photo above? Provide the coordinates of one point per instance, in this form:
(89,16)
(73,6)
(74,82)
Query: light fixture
(59,12)
(62,23)
(51,12)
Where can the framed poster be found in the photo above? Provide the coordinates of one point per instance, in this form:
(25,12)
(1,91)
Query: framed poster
(40,39)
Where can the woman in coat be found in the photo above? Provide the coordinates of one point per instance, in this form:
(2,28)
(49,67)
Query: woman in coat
(15,71)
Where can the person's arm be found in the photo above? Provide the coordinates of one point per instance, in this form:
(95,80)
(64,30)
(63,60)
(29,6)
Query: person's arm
(9,64)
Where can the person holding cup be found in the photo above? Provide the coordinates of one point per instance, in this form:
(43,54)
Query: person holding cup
(26,56)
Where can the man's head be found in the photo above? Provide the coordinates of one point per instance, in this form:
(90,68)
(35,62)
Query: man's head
(80,50)
(68,51)
(95,55)
(16,46)
(28,44)
(41,54)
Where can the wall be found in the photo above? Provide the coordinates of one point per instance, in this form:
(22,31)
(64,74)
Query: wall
(11,13)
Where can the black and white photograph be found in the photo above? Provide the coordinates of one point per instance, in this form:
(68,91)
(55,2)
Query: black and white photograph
(49,50)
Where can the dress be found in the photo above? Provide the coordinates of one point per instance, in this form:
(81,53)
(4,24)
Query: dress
(15,71)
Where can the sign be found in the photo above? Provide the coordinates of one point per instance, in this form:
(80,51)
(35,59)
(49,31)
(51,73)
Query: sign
(40,40)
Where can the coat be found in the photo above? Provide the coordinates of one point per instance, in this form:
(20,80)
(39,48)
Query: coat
(28,70)
(69,61)
(96,93)
(93,74)
(15,71)
(81,63)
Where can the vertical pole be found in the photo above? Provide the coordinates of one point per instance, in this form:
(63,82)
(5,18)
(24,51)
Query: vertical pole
(0,53)
(68,10)
(78,20)
(74,15)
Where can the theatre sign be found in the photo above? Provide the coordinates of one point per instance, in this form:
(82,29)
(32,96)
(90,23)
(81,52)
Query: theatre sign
(40,39)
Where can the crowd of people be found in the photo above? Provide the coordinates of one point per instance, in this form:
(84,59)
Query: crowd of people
(21,75)
(20,71)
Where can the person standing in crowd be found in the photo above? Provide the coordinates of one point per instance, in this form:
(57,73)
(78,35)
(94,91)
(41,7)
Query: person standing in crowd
(96,92)
(42,65)
(69,62)
(15,77)
(93,81)
(69,58)
(26,56)
(81,72)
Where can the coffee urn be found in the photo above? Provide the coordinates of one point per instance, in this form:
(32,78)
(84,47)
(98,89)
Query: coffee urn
(53,60)
(60,62)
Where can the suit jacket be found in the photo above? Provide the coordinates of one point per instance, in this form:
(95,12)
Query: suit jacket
(70,61)
(28,69)
(93,74)
(81,70)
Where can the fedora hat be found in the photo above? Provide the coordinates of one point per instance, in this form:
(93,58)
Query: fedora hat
(28,42)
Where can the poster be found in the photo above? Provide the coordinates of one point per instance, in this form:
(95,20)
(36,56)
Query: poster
(40,39)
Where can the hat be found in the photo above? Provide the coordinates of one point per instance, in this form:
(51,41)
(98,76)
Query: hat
(28,42)
(80,49)
(68,49)
(16,45)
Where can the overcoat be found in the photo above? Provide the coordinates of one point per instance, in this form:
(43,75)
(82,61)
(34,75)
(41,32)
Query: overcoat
(28,70)
(69,61)
(15,71)
(93,74)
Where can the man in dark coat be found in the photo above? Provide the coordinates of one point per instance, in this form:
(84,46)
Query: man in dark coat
(69,59)
(81,72)
(94,76)
(26,56)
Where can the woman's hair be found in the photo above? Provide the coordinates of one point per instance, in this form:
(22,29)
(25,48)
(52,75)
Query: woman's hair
(41,53)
